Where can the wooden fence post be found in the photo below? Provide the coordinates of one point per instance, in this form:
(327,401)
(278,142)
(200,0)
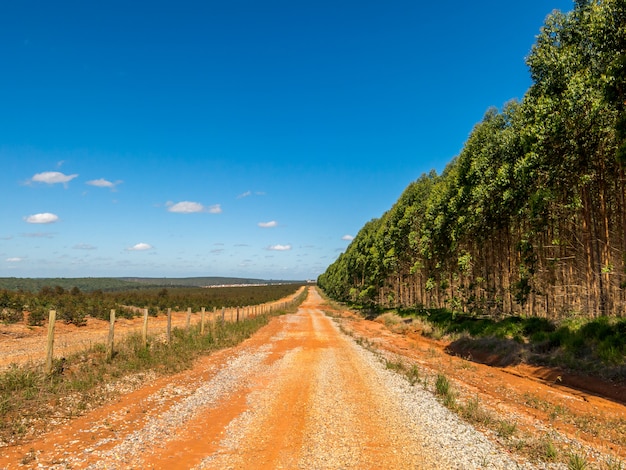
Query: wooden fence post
(188,317)
(111,334)
(237,314)
(169,325)
(52,316)
(202,321)
(144,333)
(223,314)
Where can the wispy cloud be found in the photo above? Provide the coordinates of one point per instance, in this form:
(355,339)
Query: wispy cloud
(140,247)
(279,247)
(270,224)
(14,260)
(83,246)
(38,235)
(250,193)
(102,183)
(43,218)
(53,177)
(189,207)
(347,238)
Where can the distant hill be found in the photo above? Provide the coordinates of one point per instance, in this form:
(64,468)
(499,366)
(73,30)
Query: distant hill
(89,284)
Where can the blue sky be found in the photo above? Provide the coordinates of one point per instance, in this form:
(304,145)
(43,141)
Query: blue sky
(234,138)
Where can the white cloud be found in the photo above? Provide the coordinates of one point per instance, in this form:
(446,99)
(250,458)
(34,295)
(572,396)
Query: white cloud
(279,247)
(189,207)
(53,177)
(270,224)
(140,247)
(347,238)
(14,260)
(43,218)
(185,207)
(102,183)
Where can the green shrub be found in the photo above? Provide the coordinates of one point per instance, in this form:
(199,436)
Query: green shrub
(38,315)
(444,390)
(11,315)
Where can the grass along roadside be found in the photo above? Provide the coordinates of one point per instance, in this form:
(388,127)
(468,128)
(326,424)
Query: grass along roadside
(32,401)
(595,346)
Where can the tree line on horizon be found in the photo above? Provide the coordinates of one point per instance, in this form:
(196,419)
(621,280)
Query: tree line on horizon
(530,217)
(110,284)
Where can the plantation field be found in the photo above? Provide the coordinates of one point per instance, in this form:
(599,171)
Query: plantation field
(23,340)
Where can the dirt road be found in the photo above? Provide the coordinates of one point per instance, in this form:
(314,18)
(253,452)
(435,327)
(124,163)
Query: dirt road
(298,394)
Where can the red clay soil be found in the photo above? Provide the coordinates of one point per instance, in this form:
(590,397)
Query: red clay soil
(539,401)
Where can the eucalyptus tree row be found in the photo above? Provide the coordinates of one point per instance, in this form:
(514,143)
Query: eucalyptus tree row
(530,217)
